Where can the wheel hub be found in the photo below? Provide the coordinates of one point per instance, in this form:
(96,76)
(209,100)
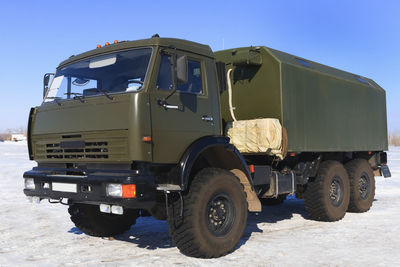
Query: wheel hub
(336,191)
(220,214)
(364,186)
(217,213)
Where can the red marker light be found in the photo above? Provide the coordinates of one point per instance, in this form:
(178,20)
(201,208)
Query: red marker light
(251,168)
(107,43)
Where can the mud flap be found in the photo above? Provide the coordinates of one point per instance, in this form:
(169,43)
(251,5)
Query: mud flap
(385,172)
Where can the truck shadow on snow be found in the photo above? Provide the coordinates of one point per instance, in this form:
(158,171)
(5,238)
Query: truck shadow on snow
(152,234)
(271,215)
(148,233)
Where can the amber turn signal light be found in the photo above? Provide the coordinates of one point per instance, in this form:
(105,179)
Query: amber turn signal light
(146,139)
(128,191)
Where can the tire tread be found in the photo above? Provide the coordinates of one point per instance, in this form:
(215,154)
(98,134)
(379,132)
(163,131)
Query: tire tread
(181,229)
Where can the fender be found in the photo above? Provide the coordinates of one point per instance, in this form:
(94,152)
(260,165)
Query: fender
(195,149)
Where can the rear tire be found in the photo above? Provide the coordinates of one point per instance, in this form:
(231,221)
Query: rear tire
(327,196)
(362,185)
(214,215)
(91,221)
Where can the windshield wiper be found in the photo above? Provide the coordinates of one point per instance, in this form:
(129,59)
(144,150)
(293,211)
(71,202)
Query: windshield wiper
(77,96)
(55,99)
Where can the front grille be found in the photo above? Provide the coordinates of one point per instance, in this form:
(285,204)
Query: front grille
(91,147)
(92,150)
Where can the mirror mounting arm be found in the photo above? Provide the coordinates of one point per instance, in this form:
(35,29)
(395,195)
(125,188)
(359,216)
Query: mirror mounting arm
(179,67)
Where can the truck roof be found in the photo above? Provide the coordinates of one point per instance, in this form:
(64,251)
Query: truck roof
(302,63)
(180,44)
(321,68)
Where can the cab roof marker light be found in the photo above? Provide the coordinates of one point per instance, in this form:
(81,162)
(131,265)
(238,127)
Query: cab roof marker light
(98,46)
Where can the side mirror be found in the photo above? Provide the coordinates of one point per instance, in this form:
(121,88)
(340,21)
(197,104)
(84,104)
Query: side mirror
(46,80)
(182,70)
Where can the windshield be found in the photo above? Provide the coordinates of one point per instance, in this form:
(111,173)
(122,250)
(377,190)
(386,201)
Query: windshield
(106,74)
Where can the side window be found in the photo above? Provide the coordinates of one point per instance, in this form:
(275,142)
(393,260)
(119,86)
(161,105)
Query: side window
(194,84)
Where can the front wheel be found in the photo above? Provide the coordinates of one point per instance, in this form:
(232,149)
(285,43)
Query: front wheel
(214,215)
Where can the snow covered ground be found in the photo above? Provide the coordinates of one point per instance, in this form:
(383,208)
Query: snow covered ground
(43,235)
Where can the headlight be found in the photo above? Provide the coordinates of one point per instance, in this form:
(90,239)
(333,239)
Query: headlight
(121,190)
(29,183)
(114,190)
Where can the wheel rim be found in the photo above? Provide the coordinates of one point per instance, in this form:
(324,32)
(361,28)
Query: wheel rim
(364,185)
(220,214)
(336,191)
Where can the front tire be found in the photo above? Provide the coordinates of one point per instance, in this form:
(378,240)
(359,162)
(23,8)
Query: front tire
(91,221)
(214,215)
(327,196)
(362,185)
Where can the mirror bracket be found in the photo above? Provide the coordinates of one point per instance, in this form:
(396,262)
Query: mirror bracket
(46,80)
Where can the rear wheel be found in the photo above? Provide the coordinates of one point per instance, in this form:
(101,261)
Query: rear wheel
(214,215)
(327,196)
(91,221)
(362,185)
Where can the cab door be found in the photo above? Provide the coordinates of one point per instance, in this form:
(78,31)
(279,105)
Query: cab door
(182,117)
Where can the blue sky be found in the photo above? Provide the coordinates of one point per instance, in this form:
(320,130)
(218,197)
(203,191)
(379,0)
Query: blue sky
(362,37)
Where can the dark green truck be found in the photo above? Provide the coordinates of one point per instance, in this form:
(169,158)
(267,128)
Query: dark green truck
(167,127)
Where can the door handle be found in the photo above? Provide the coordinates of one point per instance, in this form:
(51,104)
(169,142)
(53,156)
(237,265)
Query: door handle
(165,105)
(206,118)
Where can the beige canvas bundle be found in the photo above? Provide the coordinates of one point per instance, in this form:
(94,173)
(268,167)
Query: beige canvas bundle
(256,136)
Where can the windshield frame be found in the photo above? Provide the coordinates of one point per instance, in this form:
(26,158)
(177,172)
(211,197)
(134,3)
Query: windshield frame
(145,82)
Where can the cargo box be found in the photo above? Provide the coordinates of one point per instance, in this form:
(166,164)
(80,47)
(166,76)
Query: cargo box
(323,109)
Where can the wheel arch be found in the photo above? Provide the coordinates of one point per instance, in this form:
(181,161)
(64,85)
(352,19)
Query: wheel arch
(210,151)
(217,152)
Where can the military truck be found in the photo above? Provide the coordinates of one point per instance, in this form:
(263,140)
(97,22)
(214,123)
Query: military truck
(168,128)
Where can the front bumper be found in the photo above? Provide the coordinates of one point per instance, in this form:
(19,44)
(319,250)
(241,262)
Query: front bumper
(91,186)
